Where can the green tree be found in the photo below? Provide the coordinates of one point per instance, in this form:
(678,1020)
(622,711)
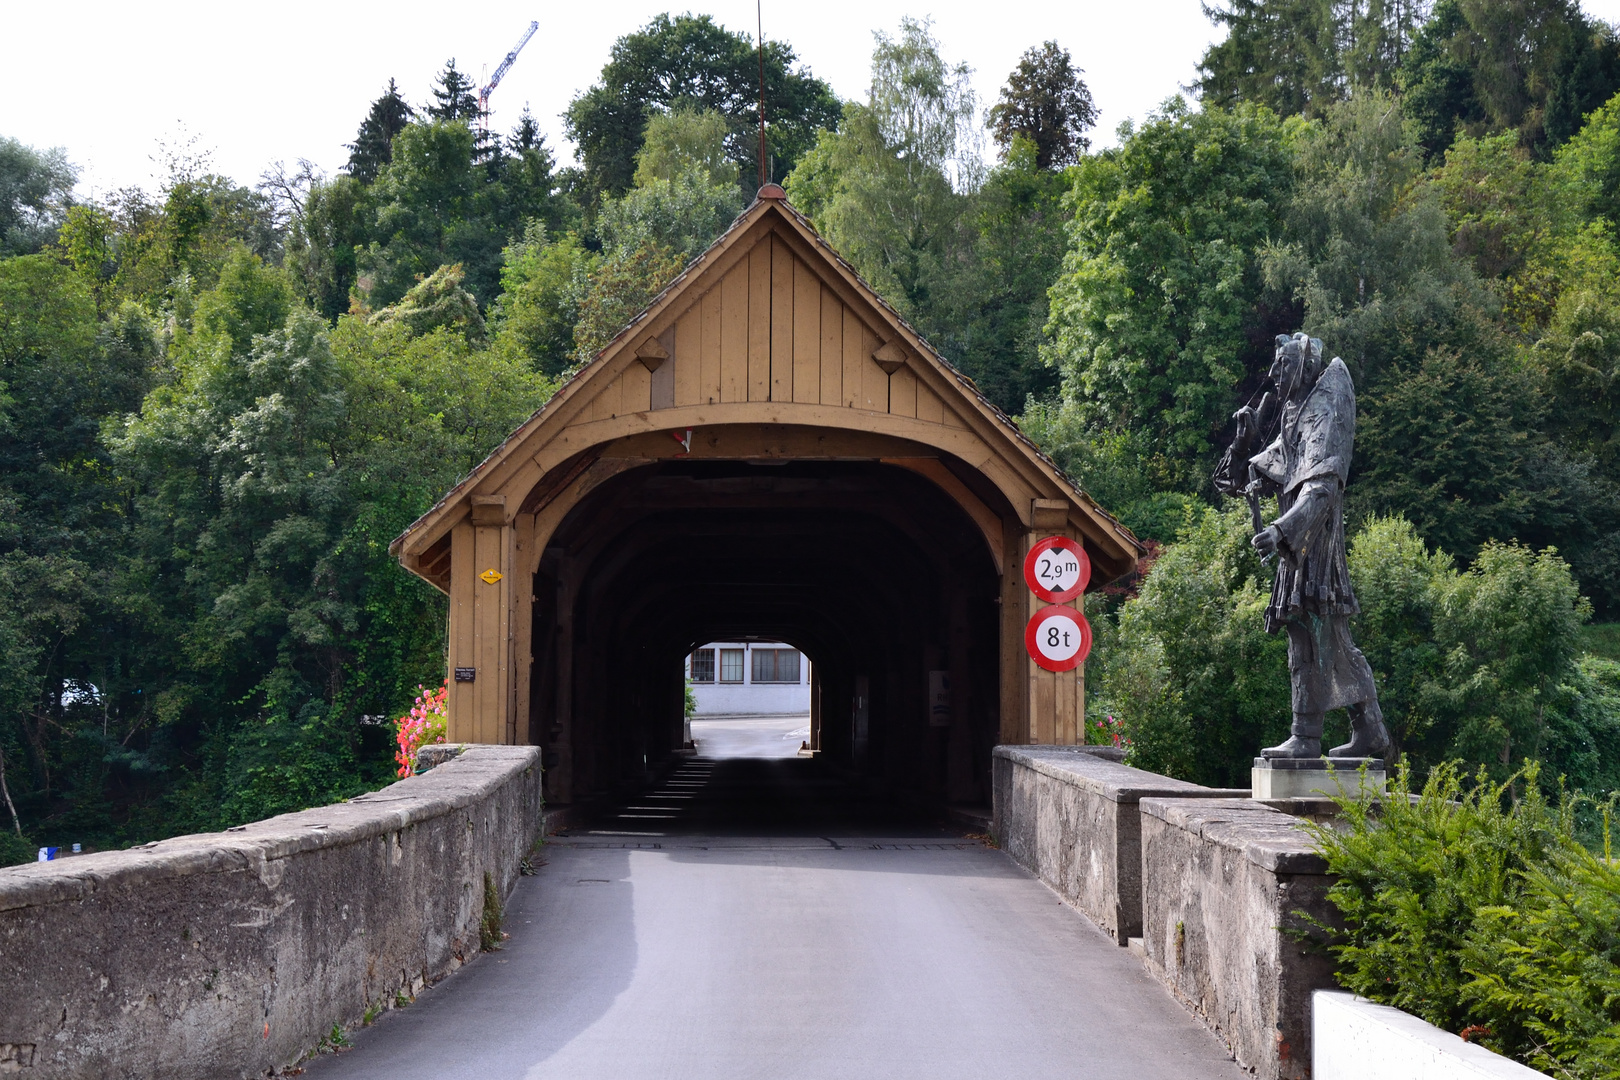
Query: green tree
(424,203)
(436,204)
(1437,84)
(691,61)
(438,300)
(36,188)
(923,105)
(1478,665)
(455,96)
(373,145)
(683,215)
(1398,580)
(1375,37)
(1533,67)
(1445,442)
(267,481)
(543,284)
(880,188)
(1283,54)
(324,242)
(988,308)
(683,140)
(1122,470)
(1046,102)
(620,287)
(1156,317)
(63,626)
(1475,665)
(1365,250)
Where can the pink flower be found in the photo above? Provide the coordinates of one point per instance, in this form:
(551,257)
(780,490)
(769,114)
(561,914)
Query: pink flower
(426,722)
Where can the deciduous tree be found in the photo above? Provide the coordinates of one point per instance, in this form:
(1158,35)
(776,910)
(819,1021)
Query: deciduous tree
(1046,102)
(691,60)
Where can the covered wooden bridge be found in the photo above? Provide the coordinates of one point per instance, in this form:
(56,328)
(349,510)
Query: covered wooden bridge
(768,450)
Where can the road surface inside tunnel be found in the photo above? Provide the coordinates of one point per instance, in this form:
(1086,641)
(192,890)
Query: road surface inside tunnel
(761,917)
(720,737)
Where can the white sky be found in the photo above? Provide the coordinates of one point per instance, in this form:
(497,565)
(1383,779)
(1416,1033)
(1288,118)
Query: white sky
(257,83)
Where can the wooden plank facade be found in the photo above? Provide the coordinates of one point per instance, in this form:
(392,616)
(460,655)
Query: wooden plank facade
(767,351)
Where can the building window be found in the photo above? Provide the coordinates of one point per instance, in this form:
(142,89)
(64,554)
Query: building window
(776,665)
(703,665)
(731,665)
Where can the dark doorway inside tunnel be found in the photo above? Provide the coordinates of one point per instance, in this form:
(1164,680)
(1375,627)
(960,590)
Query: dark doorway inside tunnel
(869,570)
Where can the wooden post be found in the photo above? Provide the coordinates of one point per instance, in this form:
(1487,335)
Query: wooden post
(960,786)
(1015,665)
(463,706)
(1057,699)
(525,560)
(482,578)
(560,777)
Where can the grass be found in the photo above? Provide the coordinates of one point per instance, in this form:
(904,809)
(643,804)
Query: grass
(1602,639)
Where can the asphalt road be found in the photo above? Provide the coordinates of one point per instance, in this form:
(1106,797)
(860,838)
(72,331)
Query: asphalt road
(757,737)
(754,918)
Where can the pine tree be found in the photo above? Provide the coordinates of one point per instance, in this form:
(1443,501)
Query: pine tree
(455,96)
(1283,54)
(373,145)
(526,136)
(1046,101)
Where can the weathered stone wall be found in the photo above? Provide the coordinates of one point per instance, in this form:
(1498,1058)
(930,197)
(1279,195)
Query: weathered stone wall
(231,954)
(1069,814)
(1224,882)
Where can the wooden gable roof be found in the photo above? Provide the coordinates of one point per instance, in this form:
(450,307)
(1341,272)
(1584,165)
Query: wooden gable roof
(831,354)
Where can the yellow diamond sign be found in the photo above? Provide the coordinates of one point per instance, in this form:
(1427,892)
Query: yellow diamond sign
(491,576)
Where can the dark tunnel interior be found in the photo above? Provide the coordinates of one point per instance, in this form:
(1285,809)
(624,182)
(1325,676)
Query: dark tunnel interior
(869,569)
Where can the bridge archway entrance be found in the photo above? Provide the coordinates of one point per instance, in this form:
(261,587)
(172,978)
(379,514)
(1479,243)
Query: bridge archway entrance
(768,450)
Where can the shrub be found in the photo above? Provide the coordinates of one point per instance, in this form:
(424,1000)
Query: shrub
(15,850)
(1551,964)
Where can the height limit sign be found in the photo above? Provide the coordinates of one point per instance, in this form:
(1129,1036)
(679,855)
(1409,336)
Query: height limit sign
(1058,637)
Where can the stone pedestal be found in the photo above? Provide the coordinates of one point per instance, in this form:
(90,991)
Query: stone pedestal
(1305,778)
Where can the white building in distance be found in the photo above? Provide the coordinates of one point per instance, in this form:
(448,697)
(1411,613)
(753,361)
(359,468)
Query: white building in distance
(749,678)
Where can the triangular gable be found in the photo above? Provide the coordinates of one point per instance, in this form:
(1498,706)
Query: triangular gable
(696,346)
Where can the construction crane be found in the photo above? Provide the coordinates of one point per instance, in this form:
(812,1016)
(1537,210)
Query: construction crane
(500,73)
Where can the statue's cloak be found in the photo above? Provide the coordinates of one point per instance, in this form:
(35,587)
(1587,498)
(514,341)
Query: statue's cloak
(1307,466)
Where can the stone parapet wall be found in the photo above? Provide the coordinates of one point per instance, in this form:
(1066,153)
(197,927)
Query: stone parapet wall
(1069,814)
(231,954)
(1354,1039)
(1227,885)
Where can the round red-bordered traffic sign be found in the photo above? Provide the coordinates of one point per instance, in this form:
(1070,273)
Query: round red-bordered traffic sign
(1057,569)
(1058,638)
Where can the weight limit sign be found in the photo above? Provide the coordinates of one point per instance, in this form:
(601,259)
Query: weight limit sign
(1057,569)
(1058,638)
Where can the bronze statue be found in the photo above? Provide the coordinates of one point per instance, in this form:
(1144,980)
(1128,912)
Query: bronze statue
(1306,465)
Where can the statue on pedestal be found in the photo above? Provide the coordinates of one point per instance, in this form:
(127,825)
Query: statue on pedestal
(1307,431)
